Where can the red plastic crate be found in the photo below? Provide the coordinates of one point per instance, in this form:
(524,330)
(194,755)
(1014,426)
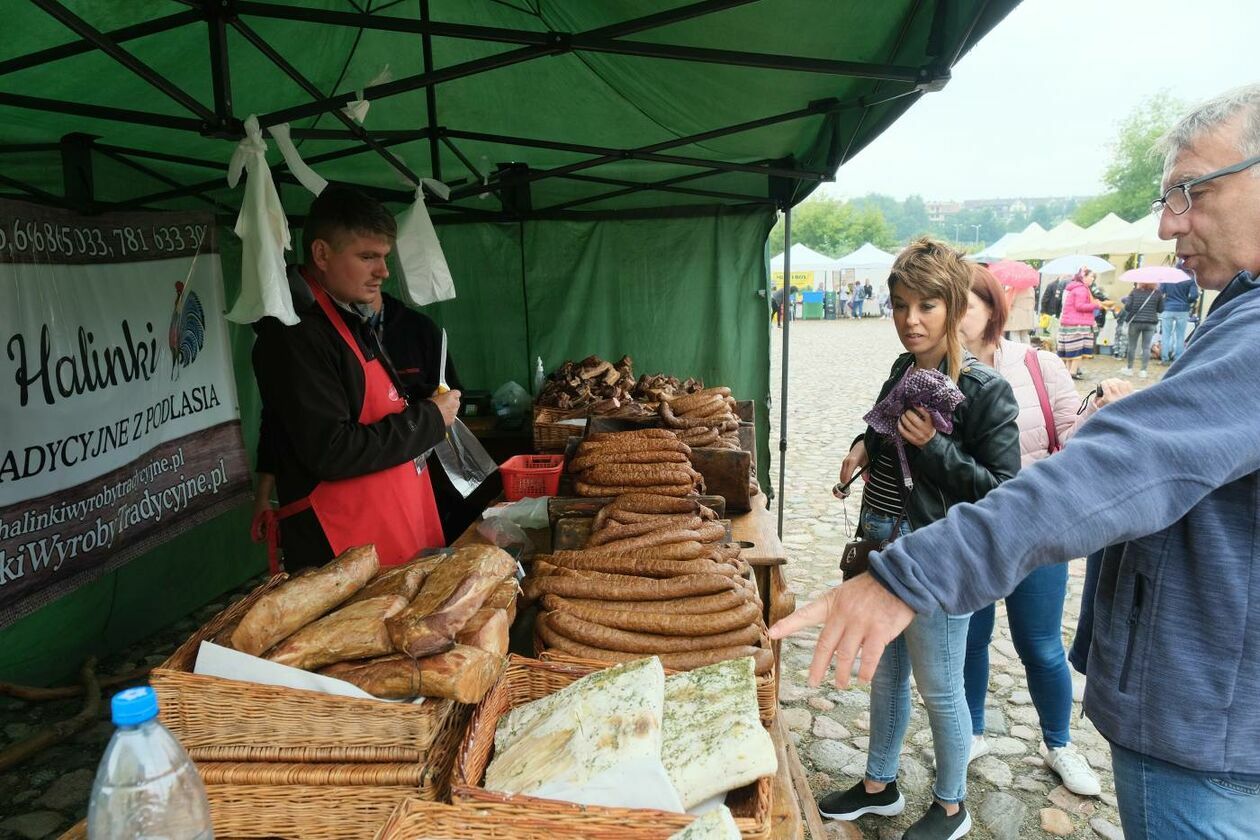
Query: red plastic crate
(531,475)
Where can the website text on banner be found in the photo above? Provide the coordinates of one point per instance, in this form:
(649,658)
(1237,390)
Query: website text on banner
(121,424)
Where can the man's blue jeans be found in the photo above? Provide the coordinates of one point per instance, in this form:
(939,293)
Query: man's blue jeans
(1035,613)
(1159,800)
(1172,334)
(934,647)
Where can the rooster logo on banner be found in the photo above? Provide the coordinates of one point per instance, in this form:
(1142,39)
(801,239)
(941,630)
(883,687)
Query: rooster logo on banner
(188,330)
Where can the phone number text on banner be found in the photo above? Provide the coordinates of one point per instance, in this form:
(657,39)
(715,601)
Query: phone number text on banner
(117,398)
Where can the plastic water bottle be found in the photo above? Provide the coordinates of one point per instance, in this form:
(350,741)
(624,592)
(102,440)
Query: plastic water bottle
(540,376)
(146,786)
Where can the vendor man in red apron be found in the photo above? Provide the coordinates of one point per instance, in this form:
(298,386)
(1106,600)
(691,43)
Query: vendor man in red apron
(345,464)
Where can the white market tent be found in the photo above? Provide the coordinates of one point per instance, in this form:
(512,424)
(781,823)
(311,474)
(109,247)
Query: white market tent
(868,256)
(1026,237)
(1139,237)
(1102,233)
(996,251)
(805,260)
(868,263)
(1065,238)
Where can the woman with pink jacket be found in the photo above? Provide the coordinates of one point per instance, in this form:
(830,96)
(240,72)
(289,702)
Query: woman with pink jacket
(1048,405)
(1076,324)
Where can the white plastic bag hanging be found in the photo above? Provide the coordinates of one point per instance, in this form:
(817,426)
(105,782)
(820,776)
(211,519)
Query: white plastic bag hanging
(264,235)
(306,176)
(426,278)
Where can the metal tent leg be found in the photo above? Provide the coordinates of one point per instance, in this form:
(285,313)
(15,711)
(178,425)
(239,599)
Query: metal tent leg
(785,318)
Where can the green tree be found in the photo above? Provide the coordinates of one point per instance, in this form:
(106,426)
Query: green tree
(914,219)
(834,228)
(1133,175)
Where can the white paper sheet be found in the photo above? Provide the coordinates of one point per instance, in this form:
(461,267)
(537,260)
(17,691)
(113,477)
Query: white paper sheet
(634,783)
(217,661)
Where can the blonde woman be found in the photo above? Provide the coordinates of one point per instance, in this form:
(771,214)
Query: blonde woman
(929,286)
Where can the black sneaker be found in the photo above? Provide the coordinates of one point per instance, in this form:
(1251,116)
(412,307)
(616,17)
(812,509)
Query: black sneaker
(854,802)
(937,825)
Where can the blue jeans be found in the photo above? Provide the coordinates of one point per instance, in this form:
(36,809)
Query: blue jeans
(1172,331)
(857,307)
(933,646)
(1159,800)
(1035,612)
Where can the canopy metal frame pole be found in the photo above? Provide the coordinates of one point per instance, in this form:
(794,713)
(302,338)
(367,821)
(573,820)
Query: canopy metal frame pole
(785,320)
(117,36)
(102,42)
(589,42)
(356,130)
(813,109)
(430,96)
(559,44)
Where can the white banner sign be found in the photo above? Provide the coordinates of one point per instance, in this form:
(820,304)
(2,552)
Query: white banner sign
(117,399)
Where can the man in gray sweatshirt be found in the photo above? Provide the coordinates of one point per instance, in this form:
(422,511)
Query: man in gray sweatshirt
(1170,479)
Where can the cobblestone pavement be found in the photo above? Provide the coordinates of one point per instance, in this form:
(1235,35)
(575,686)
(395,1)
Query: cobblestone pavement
(837,368)
(836,371)
(45,795)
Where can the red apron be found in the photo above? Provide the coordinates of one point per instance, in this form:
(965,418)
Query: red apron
(394,509)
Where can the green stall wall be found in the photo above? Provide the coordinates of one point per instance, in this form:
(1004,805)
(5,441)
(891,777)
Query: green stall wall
(682,295)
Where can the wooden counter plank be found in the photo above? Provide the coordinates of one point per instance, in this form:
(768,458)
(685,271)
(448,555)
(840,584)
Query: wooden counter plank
(785,809)
(759,528)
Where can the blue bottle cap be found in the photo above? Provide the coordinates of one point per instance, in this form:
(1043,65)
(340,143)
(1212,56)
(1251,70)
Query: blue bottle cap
(134,706)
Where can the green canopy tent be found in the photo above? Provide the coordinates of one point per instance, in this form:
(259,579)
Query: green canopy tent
(615,165)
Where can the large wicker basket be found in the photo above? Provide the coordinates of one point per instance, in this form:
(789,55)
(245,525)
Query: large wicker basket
(551,435)
(542,820)
(767,696)
(221,720)
(326,801)
(526,680)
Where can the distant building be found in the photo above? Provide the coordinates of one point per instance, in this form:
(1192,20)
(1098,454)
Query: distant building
(938,211)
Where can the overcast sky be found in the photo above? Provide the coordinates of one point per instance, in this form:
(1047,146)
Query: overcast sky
(1031,109)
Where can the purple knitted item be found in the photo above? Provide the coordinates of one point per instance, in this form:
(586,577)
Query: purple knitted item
(925,388)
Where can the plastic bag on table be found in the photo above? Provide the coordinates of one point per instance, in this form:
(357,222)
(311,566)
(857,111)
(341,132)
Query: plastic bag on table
(511,404)
(507,536)
(527,513)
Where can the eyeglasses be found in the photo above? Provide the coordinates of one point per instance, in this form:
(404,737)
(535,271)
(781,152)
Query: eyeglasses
(1177,197)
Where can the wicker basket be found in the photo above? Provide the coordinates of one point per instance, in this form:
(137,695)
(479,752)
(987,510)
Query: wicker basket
(302,812)
(231,721)
(526,680)
(550,435)
(767,697)
(542,820)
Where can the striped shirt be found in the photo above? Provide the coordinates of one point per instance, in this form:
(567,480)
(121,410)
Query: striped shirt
(884,489)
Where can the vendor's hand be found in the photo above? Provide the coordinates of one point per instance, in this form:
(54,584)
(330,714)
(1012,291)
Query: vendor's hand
(860,617)
(854,461)
(259,524)
(916,427)
(448,404)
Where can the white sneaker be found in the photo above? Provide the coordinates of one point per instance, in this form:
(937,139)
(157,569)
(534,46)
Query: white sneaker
(1073,769)
(1141,374)
(1126,371)
(979,747)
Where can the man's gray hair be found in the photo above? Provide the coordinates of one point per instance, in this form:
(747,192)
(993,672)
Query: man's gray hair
(1241,102)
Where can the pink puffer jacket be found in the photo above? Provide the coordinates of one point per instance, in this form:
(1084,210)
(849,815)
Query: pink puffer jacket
(1034,438)
(1078,306)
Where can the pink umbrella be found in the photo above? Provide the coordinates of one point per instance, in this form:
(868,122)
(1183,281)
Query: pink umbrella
(1015,275)
(1155,274)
